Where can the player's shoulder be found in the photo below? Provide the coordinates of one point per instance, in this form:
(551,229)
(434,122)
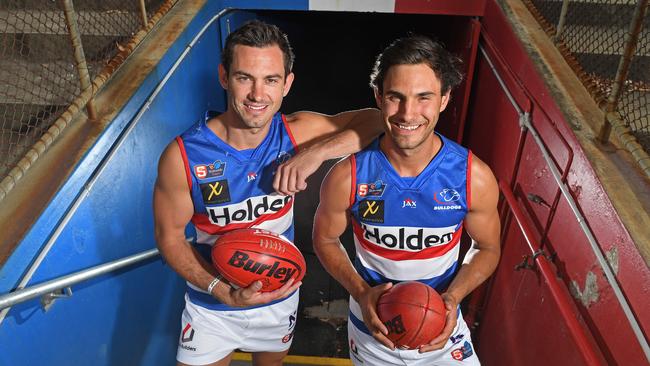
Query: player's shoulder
(341,169)
(303,117)
(483,180)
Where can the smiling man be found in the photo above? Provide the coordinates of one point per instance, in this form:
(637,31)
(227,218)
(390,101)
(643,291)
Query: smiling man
(408,196)
(222,173)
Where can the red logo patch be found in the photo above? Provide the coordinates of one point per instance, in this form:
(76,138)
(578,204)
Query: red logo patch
(457,354)
(287,338)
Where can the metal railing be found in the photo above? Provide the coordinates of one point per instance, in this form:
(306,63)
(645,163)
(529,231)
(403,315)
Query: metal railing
(61,287)
(590,355)
(107,158)
(54,58)
(525,124)
(607,44)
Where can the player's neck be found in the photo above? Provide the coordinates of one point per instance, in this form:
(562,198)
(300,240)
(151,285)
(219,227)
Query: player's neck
(410,162)
(230,129)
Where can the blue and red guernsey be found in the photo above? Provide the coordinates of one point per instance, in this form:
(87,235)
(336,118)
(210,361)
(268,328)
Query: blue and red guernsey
(233,189)
(408,228)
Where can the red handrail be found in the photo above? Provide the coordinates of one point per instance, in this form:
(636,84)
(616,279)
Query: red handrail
(585,346)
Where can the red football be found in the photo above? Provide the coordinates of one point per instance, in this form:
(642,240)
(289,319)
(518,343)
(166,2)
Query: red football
(413,312)
(246,255)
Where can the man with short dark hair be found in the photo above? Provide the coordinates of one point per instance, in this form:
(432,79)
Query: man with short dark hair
(408,196)
(222,173)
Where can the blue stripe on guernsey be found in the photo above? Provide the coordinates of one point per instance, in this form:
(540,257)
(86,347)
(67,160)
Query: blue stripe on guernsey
(359,323)
(233,189)
(374,278)
(207,301)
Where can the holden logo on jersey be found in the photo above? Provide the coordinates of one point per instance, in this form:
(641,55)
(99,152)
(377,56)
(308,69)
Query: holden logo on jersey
(371,189)
(407,238)
(215,192)
(408,203)
(372,210)
(447,199)
(215,169)
(188,333)
(247,211)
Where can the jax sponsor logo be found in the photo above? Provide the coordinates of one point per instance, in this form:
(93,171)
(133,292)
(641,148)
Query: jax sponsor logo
(408,203)
(215,192)
(407,238)
(371,210)
(248,210)
(251,176)
(375,189)
(447,199)
(204,171)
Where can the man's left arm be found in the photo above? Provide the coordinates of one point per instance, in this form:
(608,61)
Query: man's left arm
(321,137)
(483,226)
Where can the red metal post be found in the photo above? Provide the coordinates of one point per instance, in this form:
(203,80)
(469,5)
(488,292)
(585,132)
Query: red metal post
(585,346)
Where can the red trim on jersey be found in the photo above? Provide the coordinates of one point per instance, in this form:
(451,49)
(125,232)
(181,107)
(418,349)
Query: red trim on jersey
(399,255)
(286,126)
(188,173)
(353,179)
(469,180)
(202,221)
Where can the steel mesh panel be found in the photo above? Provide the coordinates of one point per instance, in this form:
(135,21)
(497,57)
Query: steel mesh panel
(549,10)
(105,27)
(38,73)
(634,105)
(592,38)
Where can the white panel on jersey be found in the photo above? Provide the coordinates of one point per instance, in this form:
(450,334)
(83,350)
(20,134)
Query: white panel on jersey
(405,270)
(278,226)
(204,238)
(381,6)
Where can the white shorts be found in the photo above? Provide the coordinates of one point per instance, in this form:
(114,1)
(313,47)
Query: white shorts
(208,335)
(366,351)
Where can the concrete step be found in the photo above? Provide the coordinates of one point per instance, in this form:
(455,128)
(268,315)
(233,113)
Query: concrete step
(40,83)
(49,83)
(606,66)
(600,39)
(91,22)
(607,13)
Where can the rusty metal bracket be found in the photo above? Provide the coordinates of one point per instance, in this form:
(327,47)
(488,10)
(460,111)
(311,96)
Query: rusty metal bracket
(48,300)
(532,197)
(524,263)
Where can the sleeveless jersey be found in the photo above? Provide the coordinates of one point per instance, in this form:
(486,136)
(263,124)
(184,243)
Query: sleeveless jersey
(233,189)
(408,228)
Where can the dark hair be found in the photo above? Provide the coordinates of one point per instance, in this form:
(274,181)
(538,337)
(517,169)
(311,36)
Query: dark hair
(256,33)
(417,49)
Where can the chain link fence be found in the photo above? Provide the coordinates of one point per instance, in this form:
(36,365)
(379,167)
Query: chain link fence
(39,72)
(607,43)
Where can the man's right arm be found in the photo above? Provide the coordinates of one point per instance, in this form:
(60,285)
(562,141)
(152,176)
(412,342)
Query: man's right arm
(173,210)
(329,224)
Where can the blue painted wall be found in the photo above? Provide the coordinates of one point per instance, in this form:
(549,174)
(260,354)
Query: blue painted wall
(131,317)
